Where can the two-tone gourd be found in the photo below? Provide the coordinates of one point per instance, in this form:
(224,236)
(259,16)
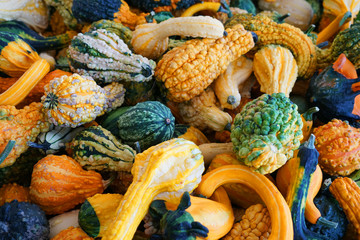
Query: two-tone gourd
(71,101)
(105,57)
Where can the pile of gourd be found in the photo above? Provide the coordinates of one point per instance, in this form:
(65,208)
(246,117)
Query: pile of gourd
(155,119)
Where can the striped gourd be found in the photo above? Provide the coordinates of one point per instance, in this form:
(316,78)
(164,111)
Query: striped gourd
(105,57)
(147,123)
(96,148)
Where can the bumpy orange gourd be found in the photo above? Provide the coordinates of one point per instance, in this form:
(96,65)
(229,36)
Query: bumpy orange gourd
(72,233)
(58,184)
(12,191)
(339,146)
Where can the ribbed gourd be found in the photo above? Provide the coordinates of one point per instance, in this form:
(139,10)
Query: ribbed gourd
(275,69)
(147,123)
(283,34)
(95,148)
(187,70)
(71,101)
(105,57)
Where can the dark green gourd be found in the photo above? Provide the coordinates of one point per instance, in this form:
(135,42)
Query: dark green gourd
(147,123)
(96,148)
(307,159)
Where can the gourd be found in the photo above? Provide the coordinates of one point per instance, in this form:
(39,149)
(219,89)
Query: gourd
(33,13)
(255,223)
(95,10)
(151,39)
(226,86)
(147,123)
(95,148)
(281,223)
(239,194)
(20,124)
(97,213)
(283,179)
(115,27)
(210,150)
(55,139)
(72,233)
(283,34)
(347,193)
(71,101)
(338,145)
(63,221)
(190,133)
(199,62)
(164,171)
(162,5)
(109,119)
(356,177)
(13,191)
(214,7)
(105,57)
(23,220)
(202,112)
(215,215)
(66,184)
(63,7)
(247,5)
(339,101)
(301,12)
(38,42)
(266,132)
(275,69)
(307,120)
(305,164)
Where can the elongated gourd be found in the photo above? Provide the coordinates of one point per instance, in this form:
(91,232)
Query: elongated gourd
(281,222)
(151,39)
(19,90)
(307,120)
(164,171)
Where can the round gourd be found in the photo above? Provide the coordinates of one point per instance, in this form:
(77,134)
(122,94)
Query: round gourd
(147,123)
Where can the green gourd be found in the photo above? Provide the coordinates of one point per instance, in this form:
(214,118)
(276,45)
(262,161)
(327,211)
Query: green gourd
(307,159)
(247,5)
(105,57)
(109,120)
(95,148)
(147,123)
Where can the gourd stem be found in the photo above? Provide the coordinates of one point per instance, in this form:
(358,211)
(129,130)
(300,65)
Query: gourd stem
(283,17)
(325,222)
(37,145)
(310,29)
(311,142)
(323,44)
(308,115)
(9,146)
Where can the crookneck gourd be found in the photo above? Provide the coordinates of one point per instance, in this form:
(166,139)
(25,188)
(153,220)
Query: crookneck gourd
(266,132)
(187,70)
(164,171)
(281,222)
(227,86)
(202,112)
(339,146)
(95,148)
(71,101)
(151,39)
(105,57)
(58,184)
(275,69)
(286,35)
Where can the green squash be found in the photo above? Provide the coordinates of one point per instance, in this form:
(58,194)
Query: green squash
(147,123)
(95,148)
(97,212)
(247,5)
(306,161)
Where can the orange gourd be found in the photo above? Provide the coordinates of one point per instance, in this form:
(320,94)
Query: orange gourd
(12,191)
(58,184)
